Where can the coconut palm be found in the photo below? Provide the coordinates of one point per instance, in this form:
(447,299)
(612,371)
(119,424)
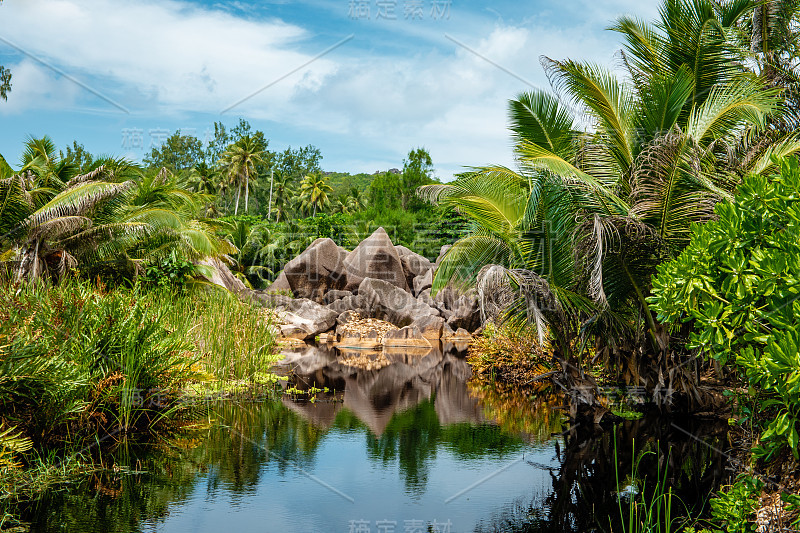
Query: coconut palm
(588,215)
(356,201)
(314,190)
(258,249)
(112,214)
(239,162)
(281,196)
(772,39)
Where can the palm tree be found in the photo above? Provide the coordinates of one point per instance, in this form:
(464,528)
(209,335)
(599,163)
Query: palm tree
(112,214)
(202,179)
(239,162)
(587,217)
(282,194)
(357,200)
(258,248)
(314,191)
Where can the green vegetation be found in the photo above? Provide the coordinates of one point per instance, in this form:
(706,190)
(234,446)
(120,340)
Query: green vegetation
(638,511)
(647,238)
(657,243)
(83,368)
(737,283)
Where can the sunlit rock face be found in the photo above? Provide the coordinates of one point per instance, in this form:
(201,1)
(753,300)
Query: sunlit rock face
(319,269)
(376,280)
(375,257)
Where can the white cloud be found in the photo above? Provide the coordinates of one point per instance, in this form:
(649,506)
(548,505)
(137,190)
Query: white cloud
(34,86)
(172,58)
(453,103)
(179,56)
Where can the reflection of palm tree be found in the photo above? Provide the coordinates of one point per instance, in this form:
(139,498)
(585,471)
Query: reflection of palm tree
(314,190)
(239,162)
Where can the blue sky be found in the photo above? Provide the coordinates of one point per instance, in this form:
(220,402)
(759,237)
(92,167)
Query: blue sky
(117,75)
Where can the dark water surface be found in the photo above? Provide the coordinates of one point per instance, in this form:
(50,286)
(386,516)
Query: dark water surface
(406,448)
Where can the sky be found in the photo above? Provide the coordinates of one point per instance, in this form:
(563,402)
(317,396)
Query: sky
(363,80)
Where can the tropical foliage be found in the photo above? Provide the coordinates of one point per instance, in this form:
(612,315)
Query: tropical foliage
(584,221)
(53,219)
(737,284)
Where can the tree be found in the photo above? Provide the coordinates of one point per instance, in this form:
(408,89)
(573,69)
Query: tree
(314,191)
(217,145)
(282,193)
(5,80)
(581,227)
(113,215)
(239,162)
(179,152)
(417,170)
(386,191)
(295,164)
(772,39)
(736,284)
(77,156)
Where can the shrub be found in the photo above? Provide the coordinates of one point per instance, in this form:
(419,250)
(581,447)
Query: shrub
(738,282)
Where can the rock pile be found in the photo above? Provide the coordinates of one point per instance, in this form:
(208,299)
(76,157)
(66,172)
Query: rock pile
(387,285)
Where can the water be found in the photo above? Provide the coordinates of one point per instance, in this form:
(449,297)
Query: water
(406,448)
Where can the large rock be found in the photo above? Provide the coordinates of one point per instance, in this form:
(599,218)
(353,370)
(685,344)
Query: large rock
(466,313)
(320,268)
(442,252)
(332,296)
(387,302)
(415,265)
(402,250)
(423,282)
(218,273)
(375,257)
(446,299)
(407,336)
(281,284)
(271,299)
(431,327)
(306,319)
(348,303)
(425,297)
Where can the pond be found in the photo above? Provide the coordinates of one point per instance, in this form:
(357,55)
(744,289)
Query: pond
(408,446)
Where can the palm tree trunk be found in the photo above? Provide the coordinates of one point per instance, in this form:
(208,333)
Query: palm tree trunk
(238,196)
(246,191)
(651,324)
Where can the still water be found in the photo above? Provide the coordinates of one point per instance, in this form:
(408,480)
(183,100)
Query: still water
(408,447)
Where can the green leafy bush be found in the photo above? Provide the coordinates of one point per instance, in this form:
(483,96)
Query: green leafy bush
(170,272)
(735,507)
(77,362)
(739,281)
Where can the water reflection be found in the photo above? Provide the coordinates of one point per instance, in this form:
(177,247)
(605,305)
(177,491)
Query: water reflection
(396,444)
(375,396)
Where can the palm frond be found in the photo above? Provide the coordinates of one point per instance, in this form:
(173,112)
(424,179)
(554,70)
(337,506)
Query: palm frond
(607,100)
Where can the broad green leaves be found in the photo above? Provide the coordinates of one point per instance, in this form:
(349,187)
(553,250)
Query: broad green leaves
(739,282)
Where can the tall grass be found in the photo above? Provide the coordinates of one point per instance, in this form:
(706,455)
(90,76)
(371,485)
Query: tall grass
(643,508)
(234,340)
(82,366)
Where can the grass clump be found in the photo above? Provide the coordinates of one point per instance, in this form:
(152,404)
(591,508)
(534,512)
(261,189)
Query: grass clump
(511,359)
(82,367)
